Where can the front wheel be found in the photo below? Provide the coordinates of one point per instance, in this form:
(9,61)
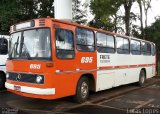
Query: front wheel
(82,91)
(142,78)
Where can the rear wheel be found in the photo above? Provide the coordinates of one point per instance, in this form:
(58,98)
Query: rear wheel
(82,91)
(142,78)
(2,81)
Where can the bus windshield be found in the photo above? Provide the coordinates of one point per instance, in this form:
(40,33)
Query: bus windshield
(31,44)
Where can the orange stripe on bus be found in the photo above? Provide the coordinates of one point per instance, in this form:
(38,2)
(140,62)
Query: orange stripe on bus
(126,66)
(106,67)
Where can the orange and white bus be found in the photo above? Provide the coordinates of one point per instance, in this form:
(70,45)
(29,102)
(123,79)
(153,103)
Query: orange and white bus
(51,59)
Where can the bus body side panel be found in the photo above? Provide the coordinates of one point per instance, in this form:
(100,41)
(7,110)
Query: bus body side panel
(3,59)
(71,69)
(106,73)
(65,76)
(120,69)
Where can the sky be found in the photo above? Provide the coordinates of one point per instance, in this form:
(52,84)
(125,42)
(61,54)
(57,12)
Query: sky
(152,13)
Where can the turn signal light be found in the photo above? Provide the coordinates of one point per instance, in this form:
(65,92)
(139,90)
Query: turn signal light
(49,65)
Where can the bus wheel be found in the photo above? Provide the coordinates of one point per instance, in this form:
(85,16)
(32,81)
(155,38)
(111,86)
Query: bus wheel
(142,78)
(2,81)
(82,91)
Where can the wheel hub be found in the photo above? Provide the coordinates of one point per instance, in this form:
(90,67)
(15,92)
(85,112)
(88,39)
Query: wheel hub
(84,90)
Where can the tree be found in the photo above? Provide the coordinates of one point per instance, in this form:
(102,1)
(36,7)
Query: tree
(9,14)
(46,8)
(109,8)
(79,14)
(143,4)
(28,9)
(153,34)
(101,24)
(105,11)
(147,5)
(127,6)
(141,18)
(13,11)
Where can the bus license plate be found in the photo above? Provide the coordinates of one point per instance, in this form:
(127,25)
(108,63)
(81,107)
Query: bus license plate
(17,88)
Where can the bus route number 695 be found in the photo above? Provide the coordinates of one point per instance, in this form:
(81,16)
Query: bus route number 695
(35,66)
(86,59)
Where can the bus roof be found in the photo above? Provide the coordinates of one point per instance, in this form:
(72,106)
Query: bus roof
(87,27)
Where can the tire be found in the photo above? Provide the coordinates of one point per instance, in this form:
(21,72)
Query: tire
(2,81)
(142,78)
(82,90)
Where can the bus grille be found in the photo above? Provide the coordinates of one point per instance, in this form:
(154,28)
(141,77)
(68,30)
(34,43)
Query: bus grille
(22,77)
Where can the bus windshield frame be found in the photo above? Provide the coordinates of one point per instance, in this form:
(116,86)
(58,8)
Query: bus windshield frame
(31,44)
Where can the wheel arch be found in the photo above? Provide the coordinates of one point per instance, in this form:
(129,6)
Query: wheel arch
(144,69)
(91,79)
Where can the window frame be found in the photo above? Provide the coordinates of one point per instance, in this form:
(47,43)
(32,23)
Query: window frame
(33,58)
(65,49)
(135,50)
(154,47)
(76,30)
(123,45)
(106,42)
(145,53)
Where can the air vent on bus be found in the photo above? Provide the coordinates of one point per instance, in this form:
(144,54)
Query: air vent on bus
(41,22)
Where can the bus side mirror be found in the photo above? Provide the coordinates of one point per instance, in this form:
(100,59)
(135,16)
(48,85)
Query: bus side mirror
(3,46)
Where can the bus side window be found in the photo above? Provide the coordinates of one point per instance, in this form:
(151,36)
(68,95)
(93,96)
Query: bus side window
(64,44)
(146,48)
(85,40)
(153,49)
(135,47)
(122,45)
(105,43)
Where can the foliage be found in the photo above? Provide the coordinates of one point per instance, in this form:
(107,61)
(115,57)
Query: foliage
(153,34)
(46,8)
(13,11)
(9,14)
(98,23)
(144,6)
(104,8)
(79,14)
(141,18)
(107,9)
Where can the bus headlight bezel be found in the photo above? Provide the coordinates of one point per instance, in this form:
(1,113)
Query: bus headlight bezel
(39,79)
(7,75)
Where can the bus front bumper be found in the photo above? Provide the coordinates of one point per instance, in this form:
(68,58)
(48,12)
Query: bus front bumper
(30,90)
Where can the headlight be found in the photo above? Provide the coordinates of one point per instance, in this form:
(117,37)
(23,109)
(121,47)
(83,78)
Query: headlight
(39,79)
(7,75)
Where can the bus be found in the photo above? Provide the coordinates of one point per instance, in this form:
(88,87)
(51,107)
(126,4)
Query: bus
(51,59)
(3,58)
